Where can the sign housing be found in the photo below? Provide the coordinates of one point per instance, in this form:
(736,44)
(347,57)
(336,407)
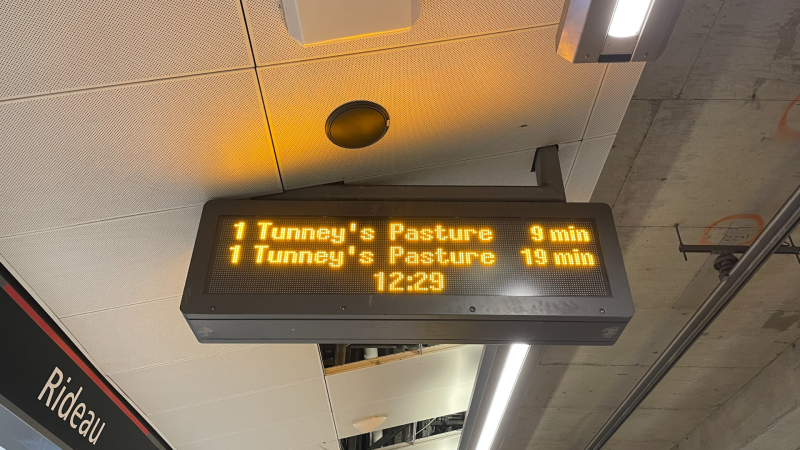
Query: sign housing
(407,272)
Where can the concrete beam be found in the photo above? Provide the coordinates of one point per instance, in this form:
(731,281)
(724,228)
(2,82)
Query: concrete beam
(759,414)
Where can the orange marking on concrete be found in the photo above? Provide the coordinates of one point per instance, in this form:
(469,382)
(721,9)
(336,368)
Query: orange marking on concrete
(785,133)
(754,217)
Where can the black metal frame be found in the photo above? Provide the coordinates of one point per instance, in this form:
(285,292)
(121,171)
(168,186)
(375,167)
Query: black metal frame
(787,248)
(421,319)
(394,318)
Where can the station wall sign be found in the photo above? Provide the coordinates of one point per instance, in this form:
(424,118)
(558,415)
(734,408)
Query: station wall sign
(48,384)
(406,272)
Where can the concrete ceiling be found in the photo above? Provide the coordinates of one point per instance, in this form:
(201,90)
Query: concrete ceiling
(711,140)
(117,122)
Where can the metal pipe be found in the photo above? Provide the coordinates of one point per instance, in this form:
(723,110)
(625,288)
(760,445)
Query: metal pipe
(762,248)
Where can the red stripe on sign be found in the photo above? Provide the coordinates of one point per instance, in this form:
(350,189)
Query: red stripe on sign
(74,356)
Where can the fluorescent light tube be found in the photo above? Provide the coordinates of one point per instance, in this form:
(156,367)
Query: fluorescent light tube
(505,386)
(628,17)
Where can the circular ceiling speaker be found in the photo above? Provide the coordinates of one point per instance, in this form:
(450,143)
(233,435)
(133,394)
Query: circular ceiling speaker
(357,124)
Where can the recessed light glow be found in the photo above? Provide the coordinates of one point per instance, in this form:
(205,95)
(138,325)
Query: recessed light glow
(508,379)
(628,17)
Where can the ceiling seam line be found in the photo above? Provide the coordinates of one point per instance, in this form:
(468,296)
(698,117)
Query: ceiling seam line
(412,45)
(113,308)
(107,219)
(327,392)
(694,63)
(477,158)
(122,84)
(585,128)
(269,130)
(229,397)
(261,94)
(644,138)
(176,361)
(594,104)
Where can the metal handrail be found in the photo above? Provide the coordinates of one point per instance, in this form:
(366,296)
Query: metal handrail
(756,255)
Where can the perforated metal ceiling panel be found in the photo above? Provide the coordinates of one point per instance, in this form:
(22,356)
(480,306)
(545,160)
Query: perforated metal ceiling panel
(439,20)
(422,387)
(511,169)
(447,102)
(58,45)
(119,151)
(245,370)
(619,83)
(139,336)
(107,264)
(587,168)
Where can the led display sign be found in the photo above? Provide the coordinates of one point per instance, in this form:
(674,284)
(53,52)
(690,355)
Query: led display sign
(402,267)
(358,255)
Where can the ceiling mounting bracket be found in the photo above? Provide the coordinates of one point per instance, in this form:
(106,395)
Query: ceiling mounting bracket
(550,188)
(786,248)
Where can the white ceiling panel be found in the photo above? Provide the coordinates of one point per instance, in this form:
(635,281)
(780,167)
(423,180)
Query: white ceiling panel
(194,381)
(112,152)
(447,102)
(403,410)
(412,389)
(138,336)
(242,413)
(439,20)
(310,433)
(615,94)
(587,168)
(510,169)
(59,45)
(106,264)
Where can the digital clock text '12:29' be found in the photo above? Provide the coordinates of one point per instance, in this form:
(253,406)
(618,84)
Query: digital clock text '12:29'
(417,282)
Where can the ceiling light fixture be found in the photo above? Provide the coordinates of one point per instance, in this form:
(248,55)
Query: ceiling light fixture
(319,22)
(508,379)
(628,18)
(615,30)
(502,379)
(357,124)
